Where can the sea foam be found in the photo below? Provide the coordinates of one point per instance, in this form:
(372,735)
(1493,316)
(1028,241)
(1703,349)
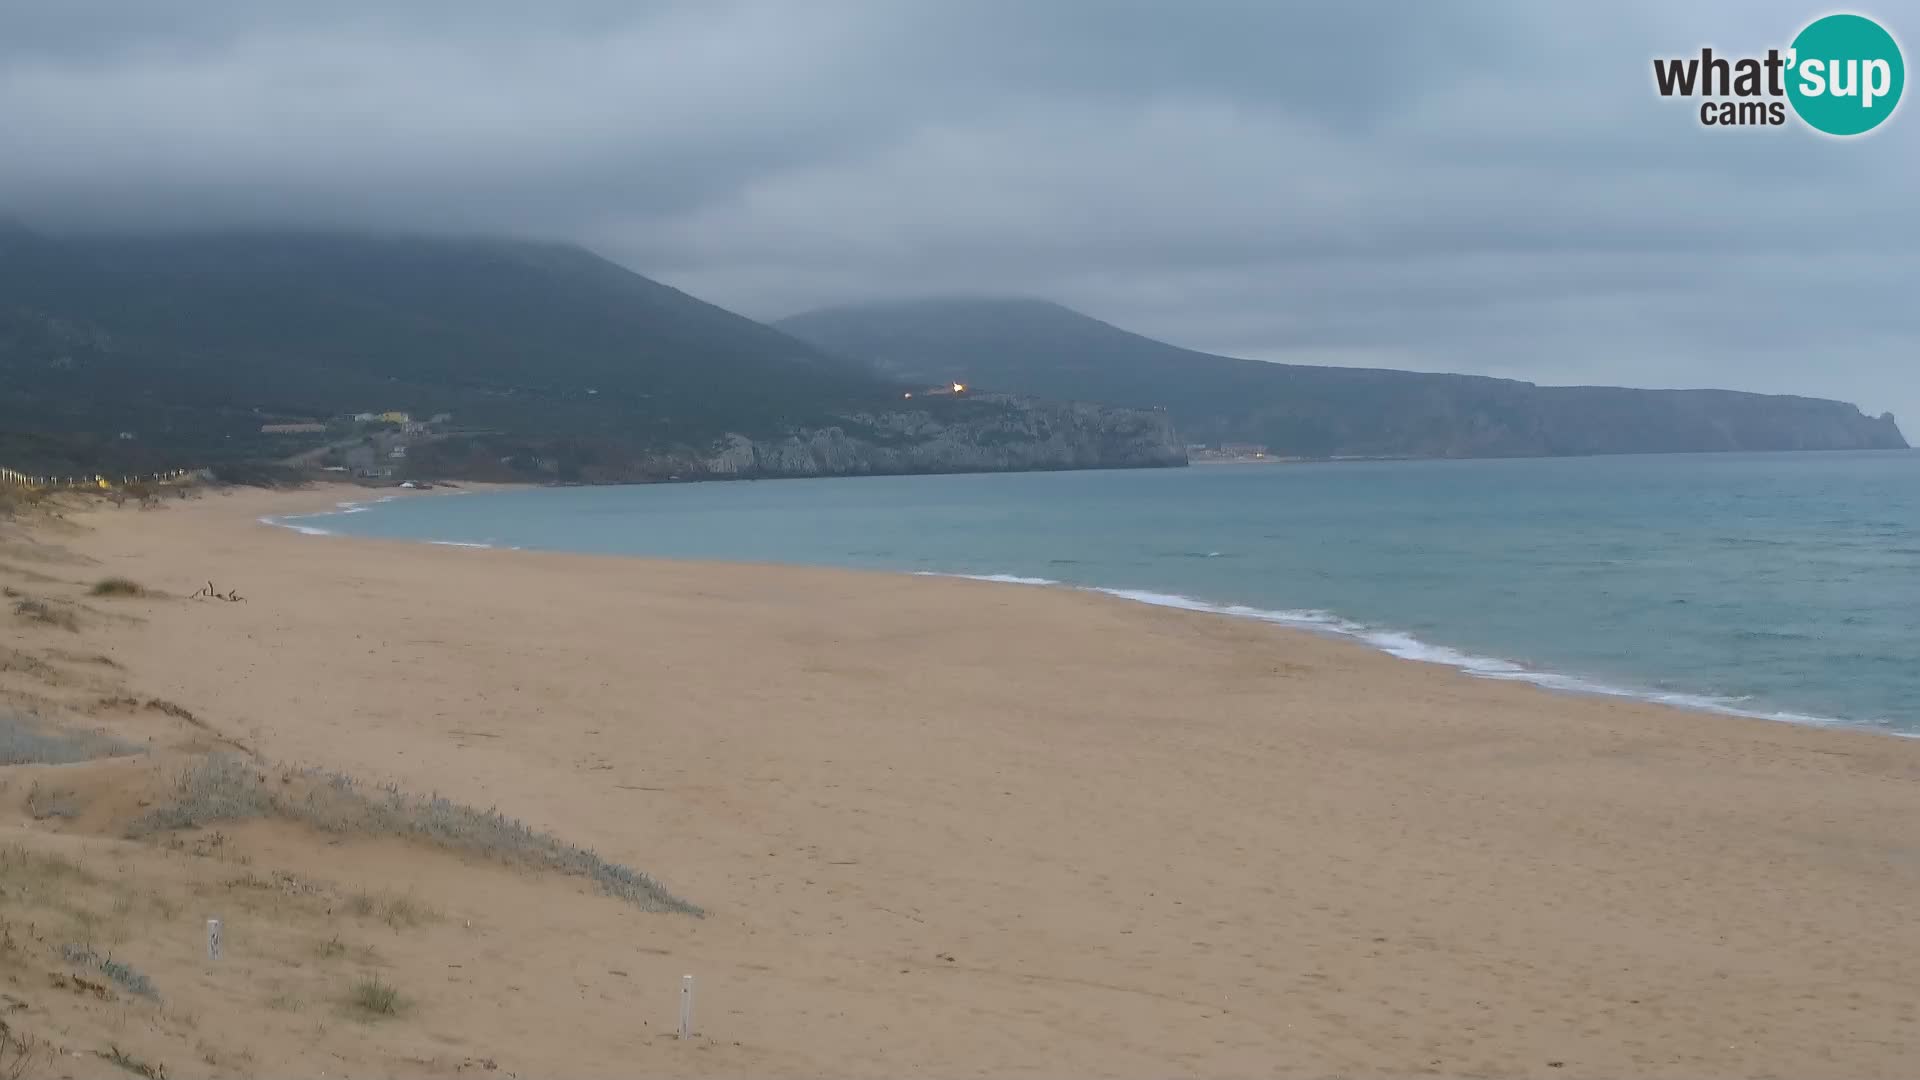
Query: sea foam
(289,523)
(1405,646)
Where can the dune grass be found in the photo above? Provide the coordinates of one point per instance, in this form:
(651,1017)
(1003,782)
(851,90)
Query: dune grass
(45,802)
(21,1055)
(398,912)
(221,787)
(24,741)
(374,997)
(32,870)
(117,586)
(45,614)
(125,975)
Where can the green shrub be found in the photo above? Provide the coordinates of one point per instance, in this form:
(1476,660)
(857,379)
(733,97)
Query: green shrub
(117,586)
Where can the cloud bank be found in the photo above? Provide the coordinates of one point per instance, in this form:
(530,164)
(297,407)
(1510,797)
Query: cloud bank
(1492,188)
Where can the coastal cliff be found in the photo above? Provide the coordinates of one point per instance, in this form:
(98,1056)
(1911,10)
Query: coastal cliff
(974,433)
(995,433)
(1604,419)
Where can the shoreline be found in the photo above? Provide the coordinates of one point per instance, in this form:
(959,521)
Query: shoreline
(1405,647)
(1385,640)
(939,827)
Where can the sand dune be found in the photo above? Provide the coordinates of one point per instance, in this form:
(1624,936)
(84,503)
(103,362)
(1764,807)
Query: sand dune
(944,827)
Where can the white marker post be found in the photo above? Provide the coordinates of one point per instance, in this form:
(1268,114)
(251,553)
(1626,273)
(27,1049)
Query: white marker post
(213,939)
(686,1006)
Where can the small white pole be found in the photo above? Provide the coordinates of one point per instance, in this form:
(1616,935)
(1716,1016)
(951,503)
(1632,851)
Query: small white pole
(213,939)
(686,1006)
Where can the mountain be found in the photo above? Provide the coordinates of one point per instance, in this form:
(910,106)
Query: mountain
(1040,348)
(188,343)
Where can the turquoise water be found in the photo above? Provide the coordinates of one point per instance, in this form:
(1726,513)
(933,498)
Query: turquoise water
(1778,585)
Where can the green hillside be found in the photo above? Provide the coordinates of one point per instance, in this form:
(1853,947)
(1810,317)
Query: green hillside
(190,342)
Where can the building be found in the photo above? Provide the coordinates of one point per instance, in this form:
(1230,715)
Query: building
(394,417)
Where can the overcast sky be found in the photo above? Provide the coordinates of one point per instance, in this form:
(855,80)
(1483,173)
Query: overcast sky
(1484,187)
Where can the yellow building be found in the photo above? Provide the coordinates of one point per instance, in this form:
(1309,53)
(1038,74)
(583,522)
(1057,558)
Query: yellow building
(395,417)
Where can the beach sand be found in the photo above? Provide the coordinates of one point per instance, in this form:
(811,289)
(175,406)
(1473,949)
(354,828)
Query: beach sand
(948,827)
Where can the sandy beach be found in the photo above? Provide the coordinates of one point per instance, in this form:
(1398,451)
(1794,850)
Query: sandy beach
(946,827)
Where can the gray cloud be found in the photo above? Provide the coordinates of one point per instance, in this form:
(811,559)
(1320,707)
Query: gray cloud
(1491,188)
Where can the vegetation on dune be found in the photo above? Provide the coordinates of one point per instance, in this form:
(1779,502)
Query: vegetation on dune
(221,787)
(27,742)
(117,586)
(44,801)
(44,613)
(15,499)
(373,997)
(123,974)
(21,1055)
(31,869)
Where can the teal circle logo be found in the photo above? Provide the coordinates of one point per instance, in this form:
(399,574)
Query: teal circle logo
(1845,75)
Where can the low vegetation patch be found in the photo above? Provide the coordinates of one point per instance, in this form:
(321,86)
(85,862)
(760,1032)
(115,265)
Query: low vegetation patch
(404,911)
(218,787)
(45,614)
(26,742)
(221,787)
(14,500)
(21,1055)
(373,997)
(399,912)
(117,586)
(32,871)
(45,802)
(133,1064)
(123,974)
(178,712)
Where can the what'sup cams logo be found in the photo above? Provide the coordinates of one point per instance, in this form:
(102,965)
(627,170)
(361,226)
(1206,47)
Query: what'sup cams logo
(1842,76)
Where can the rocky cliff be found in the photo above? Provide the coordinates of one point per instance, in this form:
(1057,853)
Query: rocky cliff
(972,433)
(989,433)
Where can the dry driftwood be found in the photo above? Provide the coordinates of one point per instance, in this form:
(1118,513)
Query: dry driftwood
(208,592)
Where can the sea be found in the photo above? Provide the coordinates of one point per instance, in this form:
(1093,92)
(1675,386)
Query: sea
(1778,586)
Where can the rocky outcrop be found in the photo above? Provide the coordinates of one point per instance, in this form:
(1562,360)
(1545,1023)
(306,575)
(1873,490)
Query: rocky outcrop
(970,433)
(985,433)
